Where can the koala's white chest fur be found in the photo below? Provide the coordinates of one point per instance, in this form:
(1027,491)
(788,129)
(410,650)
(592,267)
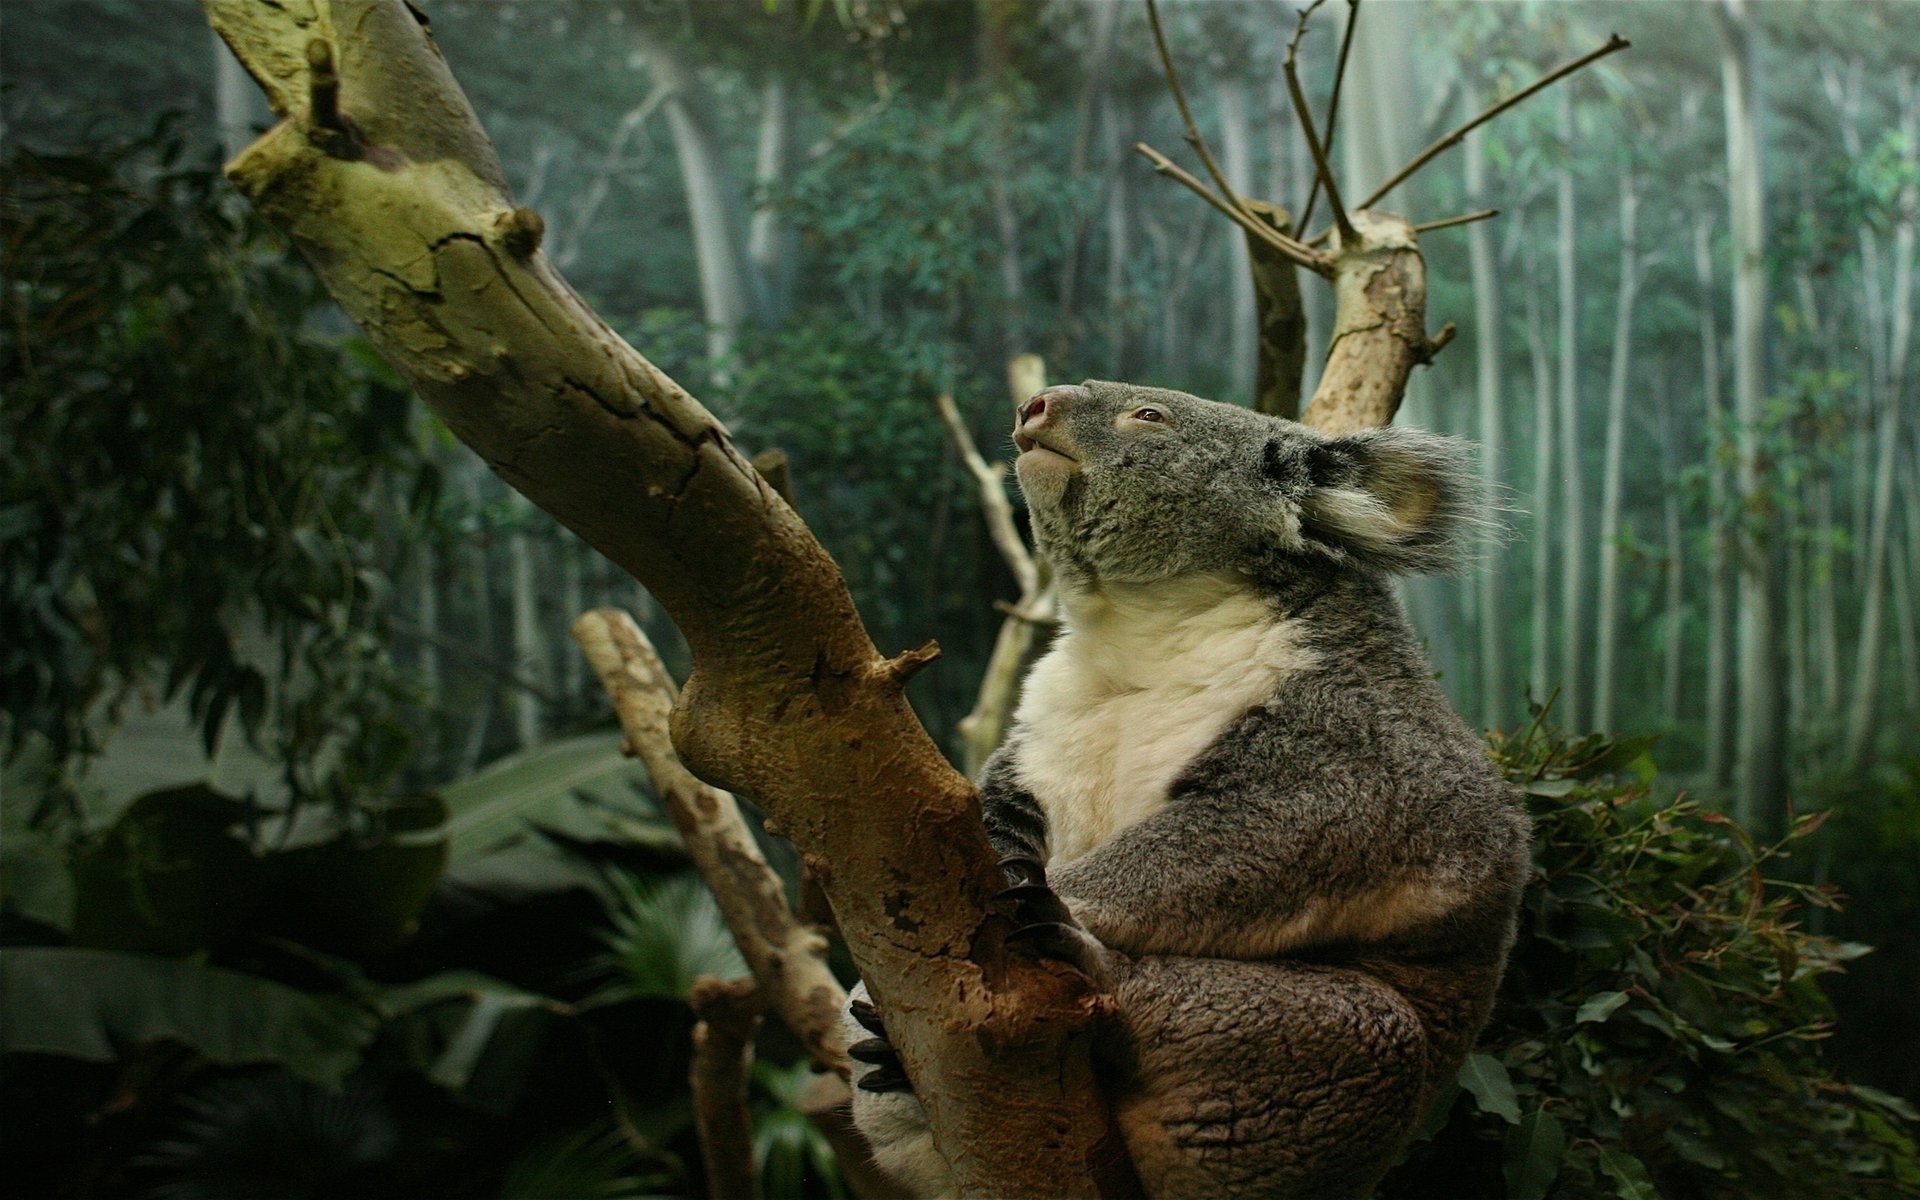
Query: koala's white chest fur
(1140,683)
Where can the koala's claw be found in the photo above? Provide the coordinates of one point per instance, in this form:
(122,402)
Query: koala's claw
(1024,870)
(868,1016)
(887,1074)
(1063,941)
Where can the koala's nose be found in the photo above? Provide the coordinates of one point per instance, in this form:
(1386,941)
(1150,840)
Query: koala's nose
(1045,408)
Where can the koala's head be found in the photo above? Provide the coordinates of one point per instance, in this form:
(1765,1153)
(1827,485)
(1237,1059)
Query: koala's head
(1133,484)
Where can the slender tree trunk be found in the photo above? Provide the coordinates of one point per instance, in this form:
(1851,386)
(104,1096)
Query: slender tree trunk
(1489,354)
(1903,609)
(1573,518)
(1236,156)
(1120,321)
(1718,736)
(573,601)
(481,574)
(728,293)
(1540,681)
(1826,599)
(1761,780)
(771,242)
(1607,621)
(529,648)
(1799,713)
(1675,624)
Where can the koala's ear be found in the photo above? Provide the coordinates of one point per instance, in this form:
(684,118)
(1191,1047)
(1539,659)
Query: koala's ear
(1393,499)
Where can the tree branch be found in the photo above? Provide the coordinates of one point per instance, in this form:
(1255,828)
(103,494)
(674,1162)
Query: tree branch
(982,728)
(1614,42)
(1311,259)
(1484,214)
(407,221)
(728,1012)
(1333,101)
(995,508)
(786,957)
(1194,139)
(1323,172)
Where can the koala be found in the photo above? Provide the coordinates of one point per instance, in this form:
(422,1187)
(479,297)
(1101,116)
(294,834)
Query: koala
(1234,795)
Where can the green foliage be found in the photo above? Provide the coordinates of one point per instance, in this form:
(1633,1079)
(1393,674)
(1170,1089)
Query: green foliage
(663,934)
(269,1134)
(197,486)
(1659,1031)
(97,1004)
(595,1163)
(787,1145)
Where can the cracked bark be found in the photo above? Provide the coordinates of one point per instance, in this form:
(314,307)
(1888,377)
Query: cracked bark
(401,207)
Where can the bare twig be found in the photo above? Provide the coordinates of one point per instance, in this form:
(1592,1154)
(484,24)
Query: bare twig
(994,505)
(1614,42)
(1302,255)
(729,1016)
(1333,101)
(1194,139)
(1300,110)
(786,957)
(1463,219)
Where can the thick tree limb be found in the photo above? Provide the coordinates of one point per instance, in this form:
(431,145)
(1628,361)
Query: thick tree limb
(729,1016)
(404,213)
(1379,326)
(1282,336)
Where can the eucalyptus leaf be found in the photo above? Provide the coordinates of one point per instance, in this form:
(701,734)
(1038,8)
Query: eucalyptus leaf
(1486,1078)
(1534,1151)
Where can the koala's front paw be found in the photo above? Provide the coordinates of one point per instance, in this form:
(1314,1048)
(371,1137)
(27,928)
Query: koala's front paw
(887,1074)
(1044,924)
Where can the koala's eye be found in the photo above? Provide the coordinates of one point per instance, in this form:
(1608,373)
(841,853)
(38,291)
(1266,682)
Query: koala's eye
(1148,414)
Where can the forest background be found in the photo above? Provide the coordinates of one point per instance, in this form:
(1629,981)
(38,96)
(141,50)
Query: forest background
(249,581)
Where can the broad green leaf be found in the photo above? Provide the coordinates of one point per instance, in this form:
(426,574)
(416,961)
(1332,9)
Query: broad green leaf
(1534,1150)
(96,1004)
(1629,1174)
(1486,1077)
(492,805)
(170,877)
(1600,1007)
(1898,1105)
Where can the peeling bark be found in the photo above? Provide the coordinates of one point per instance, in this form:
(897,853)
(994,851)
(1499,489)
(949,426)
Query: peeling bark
(379,171)
(1379,326)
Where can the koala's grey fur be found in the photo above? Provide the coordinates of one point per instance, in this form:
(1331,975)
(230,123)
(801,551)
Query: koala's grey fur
(1300,867)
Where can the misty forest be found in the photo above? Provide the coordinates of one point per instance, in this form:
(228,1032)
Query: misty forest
(409,531)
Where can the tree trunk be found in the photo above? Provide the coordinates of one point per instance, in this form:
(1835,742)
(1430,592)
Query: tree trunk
(402,210)
(473,479)
(1607,621)
(1120,318)
(1890,384)
(1719,739)
(1675,625)
(771,242)
(1236,159)
(1573,506)
(1761,780)
(1540,680)
(729,295)
(1489,354)
(529,647)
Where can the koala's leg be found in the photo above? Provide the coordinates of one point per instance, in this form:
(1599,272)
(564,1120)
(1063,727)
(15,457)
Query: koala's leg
(1016,824)
(1288,1081)
(888,1115)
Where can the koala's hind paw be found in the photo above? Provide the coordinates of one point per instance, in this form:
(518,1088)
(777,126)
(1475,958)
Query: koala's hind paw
(887,1074)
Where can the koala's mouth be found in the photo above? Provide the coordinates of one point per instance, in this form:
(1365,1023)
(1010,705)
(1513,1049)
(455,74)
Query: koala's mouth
(1026,444)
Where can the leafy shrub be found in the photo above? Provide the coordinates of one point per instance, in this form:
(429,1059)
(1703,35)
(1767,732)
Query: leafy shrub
(199,481)
(1659,1031)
